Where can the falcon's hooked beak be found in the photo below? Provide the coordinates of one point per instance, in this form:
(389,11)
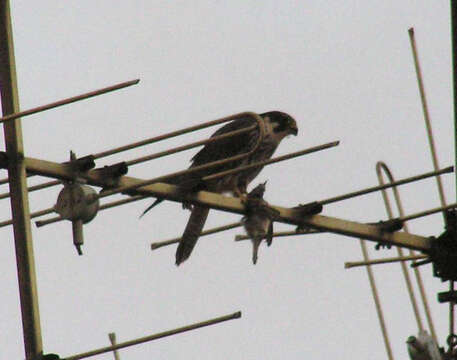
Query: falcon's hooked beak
(294,130)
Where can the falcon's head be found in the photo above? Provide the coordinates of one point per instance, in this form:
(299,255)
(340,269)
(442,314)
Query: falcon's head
(282,123)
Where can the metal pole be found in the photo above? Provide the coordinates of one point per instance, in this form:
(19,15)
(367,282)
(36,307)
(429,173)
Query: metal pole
(66,101)
(351,264)
(453,4)
(454,73)
(428,124)
(157,245)
(150,157)
(449,169)
(379,167)
(377,302)
(164,137)
(233,316)
(164,178)
(18,188)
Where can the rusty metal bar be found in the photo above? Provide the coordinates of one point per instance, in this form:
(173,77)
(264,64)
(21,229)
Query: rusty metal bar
(352,264)
(69,100)
(234,205)
(160,335)
(19,199)
(377,302)
(139,185)
(449,169)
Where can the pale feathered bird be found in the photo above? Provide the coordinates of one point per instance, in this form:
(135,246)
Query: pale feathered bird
(277,125)
(423,347)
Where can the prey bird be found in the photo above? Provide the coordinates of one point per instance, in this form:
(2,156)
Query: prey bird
(276,126)
(258,221)
(423,347)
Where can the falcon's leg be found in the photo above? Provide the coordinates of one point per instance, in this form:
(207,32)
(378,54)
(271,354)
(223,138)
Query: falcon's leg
(241,193)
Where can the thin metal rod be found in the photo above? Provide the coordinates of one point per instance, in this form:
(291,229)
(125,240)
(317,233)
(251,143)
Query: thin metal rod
(195,169)
(293,216)
(379,167)
(112,339)
(150,157)
(157,245)
(428,124)
(160,138)
(449,169)
(102,207)
(427,212)
(453,5)
(352,264)
(34,188)
(172,134)
(28,293)
(68,100)
(451,310)
(32,215)
(188,146)
(273,160)
(160,335)
(377,302)
(284,234)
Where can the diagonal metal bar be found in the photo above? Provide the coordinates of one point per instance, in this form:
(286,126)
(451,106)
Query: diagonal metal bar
(408,180)
(25,262)
(352,264)
(151,156)
(160,335)
(174,134)
(159,244)
(234,205)
(162,137)
(380,166)
(426,113)
(137,186)
(284,234)
(102,207)
(377,301)
(66,101)
(189,146)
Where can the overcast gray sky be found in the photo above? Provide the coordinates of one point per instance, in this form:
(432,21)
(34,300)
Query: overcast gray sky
(344,70)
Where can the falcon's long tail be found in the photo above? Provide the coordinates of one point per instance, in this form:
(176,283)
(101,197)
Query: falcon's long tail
(192,232)
(187,182)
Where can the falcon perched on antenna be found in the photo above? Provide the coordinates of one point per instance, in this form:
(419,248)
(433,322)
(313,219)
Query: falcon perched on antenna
(258,221)
(277,125)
